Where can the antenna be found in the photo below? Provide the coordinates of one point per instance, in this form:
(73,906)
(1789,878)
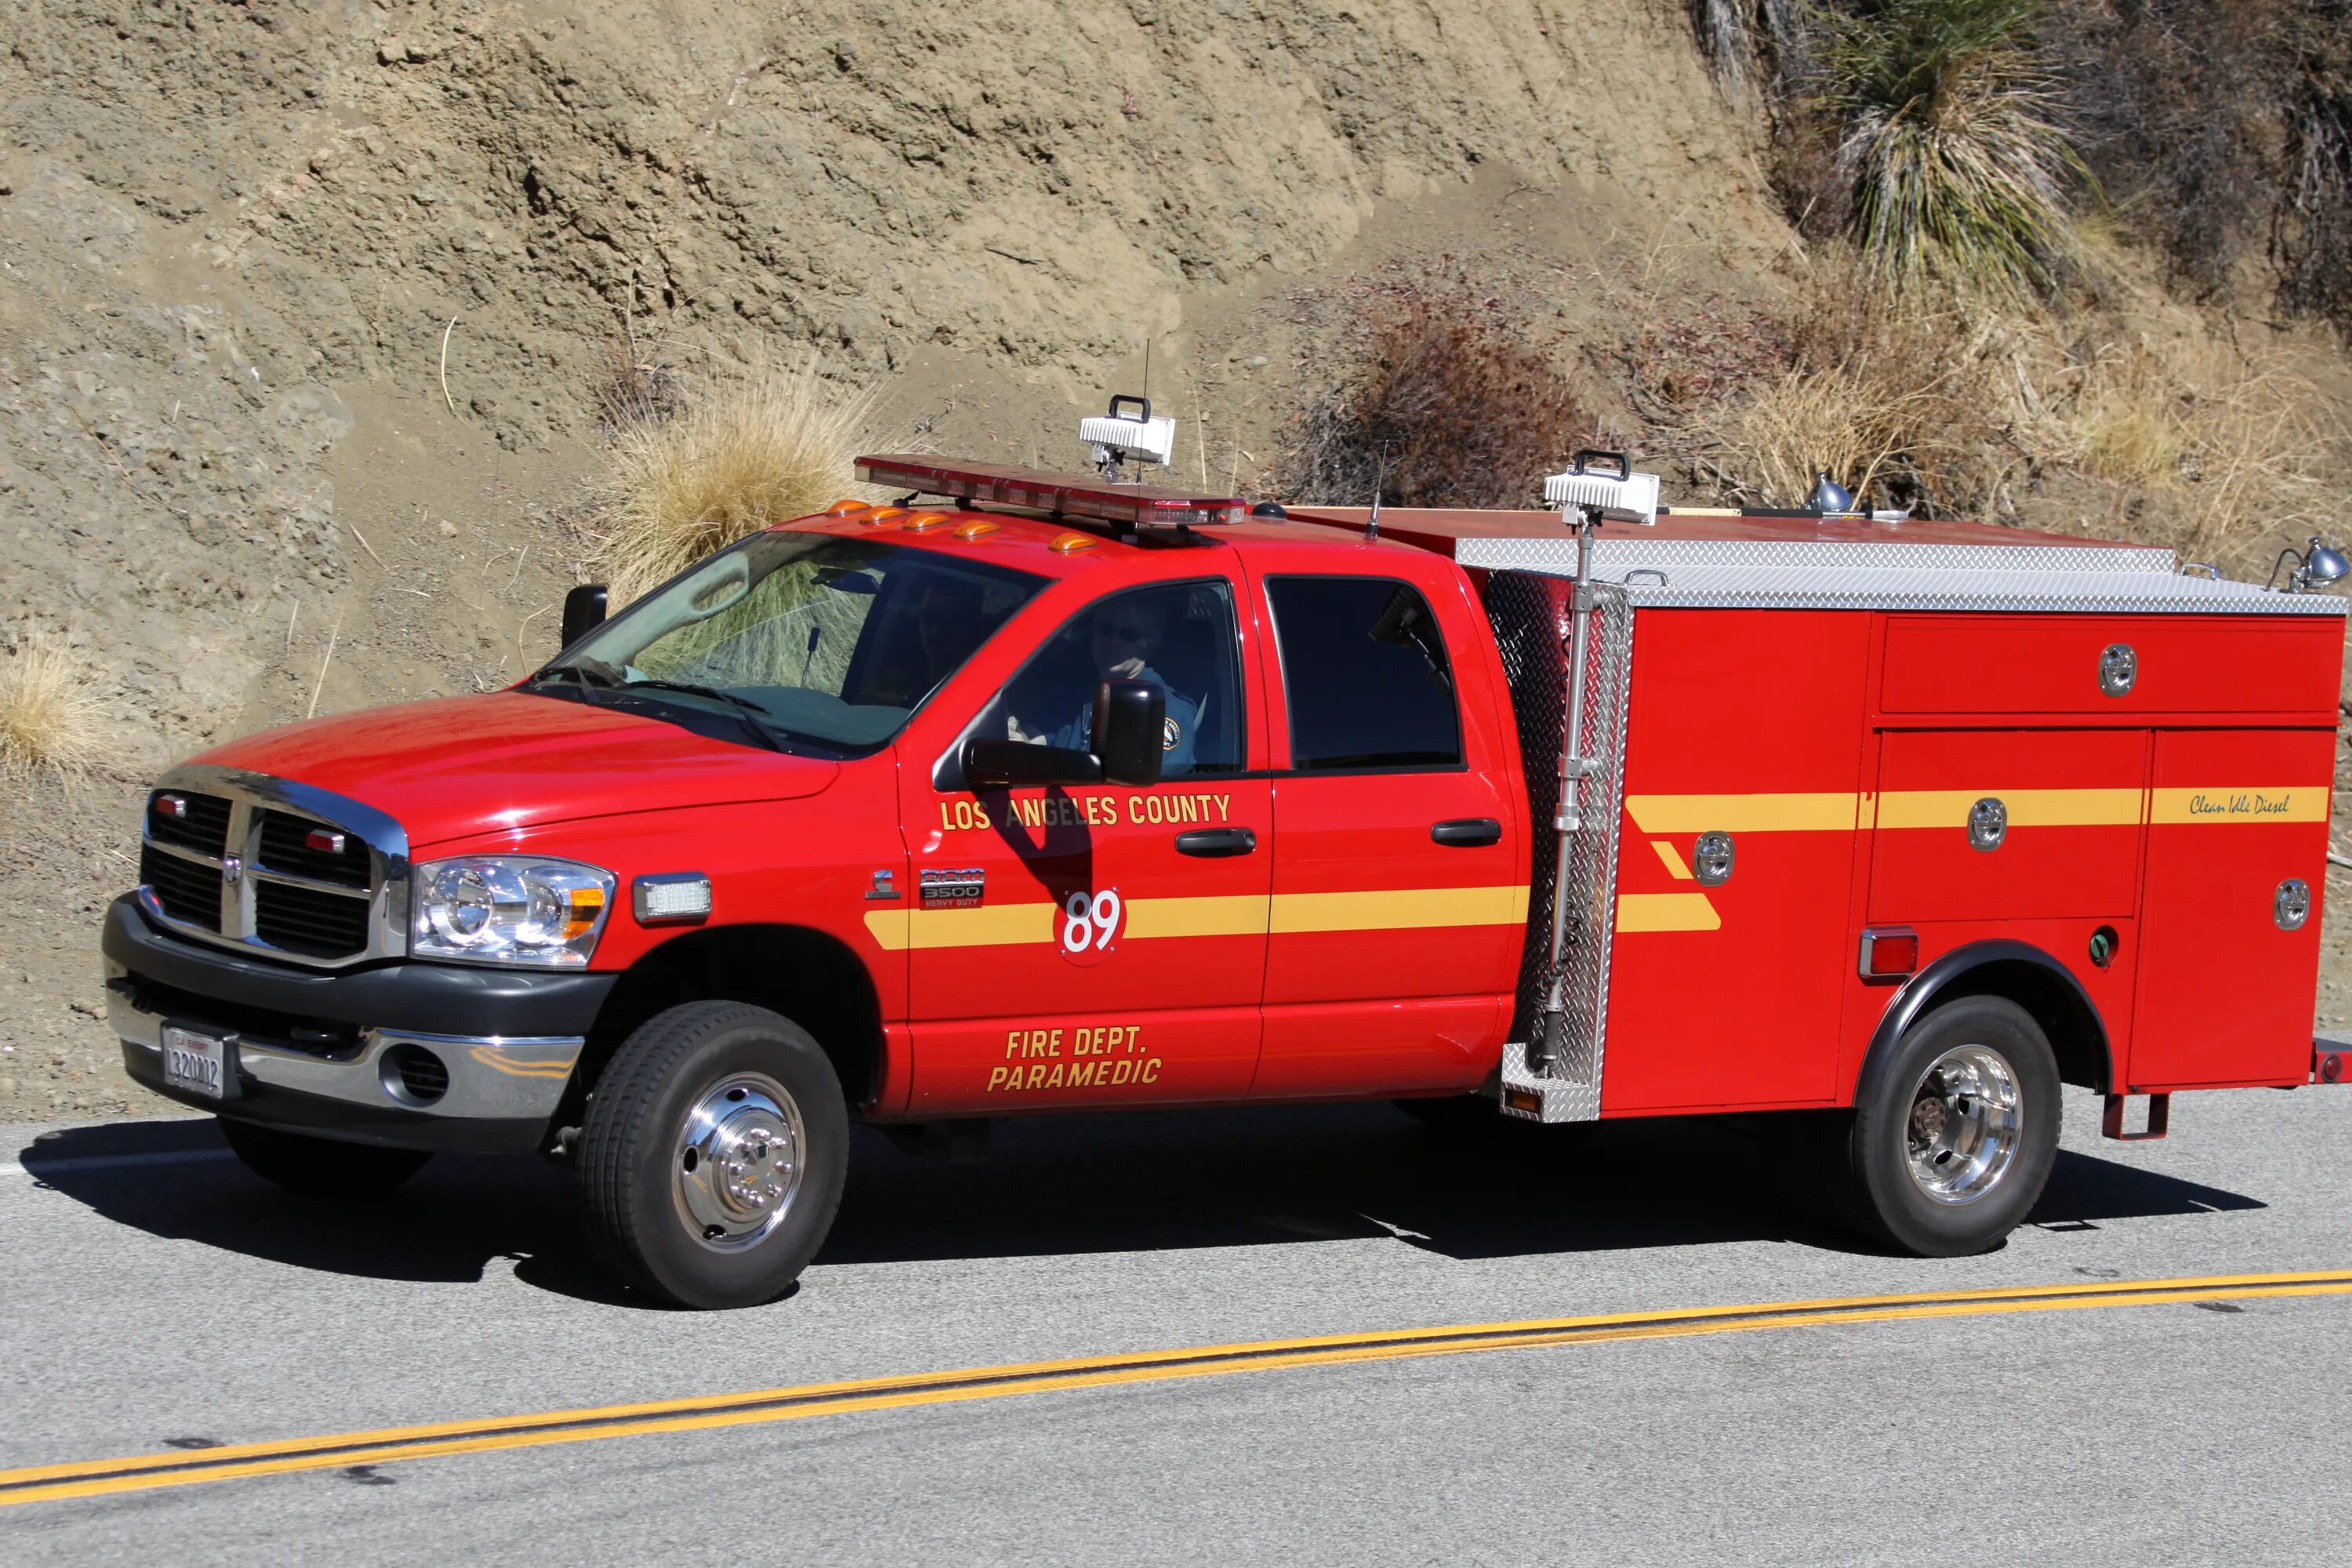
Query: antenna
(1379,482)
(1147,371)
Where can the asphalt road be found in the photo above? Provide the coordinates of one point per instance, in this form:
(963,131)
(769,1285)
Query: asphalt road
(157,1300)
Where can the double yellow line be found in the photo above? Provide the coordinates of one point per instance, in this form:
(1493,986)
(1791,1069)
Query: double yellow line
(146,1472)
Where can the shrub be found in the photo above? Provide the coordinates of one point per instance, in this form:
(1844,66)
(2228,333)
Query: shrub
(49,714)
(1889,397)
(1445,399)
(741,455)
(1956,165)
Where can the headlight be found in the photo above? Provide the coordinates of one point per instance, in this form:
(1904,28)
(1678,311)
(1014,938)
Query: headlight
(510,908)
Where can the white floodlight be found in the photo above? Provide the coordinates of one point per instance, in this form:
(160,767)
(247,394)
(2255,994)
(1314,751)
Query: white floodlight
(1129,434)
(1605,480)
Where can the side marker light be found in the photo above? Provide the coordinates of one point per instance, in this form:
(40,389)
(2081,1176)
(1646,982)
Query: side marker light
(848,509)
(671,898)
(927,521)
(1071,543)
(979,528)
(1889,954)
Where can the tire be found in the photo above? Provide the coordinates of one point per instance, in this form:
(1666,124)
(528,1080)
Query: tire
(302,1163)
(1953,1131)
(713,1155)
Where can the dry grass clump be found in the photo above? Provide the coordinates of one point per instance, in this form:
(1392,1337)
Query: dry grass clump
(1444,399)
(741,455)
(1892,397)
(49,712)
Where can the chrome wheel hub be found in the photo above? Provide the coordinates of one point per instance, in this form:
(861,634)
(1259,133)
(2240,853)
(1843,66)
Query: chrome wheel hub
(1967,1121)
(738,1161)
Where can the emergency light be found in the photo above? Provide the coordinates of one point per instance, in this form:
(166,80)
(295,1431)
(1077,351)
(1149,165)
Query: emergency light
(1056,496)
(1615,488)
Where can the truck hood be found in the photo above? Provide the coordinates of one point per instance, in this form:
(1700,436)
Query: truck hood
(457,767)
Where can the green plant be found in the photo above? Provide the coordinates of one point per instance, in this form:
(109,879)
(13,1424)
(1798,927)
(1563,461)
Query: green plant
(1948,142)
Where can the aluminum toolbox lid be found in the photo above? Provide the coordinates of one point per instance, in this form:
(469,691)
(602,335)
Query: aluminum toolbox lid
(1840,575)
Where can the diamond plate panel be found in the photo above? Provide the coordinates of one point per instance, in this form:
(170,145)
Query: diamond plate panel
(1612,557)
(1797,577)
(1535,628)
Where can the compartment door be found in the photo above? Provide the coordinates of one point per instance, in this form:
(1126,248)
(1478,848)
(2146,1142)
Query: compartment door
(2068,814)
(2225,996)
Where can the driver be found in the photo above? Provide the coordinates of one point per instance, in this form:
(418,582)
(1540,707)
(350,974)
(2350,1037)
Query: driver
(1124,635)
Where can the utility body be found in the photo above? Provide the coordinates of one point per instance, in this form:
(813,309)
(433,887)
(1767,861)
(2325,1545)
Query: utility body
(1062,794)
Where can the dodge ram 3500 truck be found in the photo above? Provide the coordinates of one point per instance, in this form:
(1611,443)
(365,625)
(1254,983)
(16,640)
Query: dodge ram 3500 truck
(1056,793)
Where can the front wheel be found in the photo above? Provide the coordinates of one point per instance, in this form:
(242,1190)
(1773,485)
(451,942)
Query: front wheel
(1953,1131)
(713,1154)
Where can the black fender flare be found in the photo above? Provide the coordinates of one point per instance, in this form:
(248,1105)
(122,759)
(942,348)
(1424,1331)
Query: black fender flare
(2023,974)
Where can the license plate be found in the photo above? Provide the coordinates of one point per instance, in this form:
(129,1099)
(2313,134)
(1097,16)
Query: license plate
(197,1063)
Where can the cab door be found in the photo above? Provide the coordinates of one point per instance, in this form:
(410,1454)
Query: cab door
(1400,875)
(1096,945)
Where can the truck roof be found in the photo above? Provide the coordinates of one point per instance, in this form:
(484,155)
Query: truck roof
(1068,525)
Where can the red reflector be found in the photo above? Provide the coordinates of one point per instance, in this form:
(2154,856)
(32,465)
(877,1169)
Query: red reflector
(325,840)
(1890,953)
(2331,1067)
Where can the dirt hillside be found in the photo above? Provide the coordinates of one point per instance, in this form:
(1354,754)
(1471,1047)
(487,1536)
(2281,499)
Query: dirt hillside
(305,310)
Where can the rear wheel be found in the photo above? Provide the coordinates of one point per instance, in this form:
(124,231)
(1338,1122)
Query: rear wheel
(306,1164)
(713,1154)
(1953,1133)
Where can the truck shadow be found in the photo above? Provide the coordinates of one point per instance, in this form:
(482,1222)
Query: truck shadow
(1050,1186)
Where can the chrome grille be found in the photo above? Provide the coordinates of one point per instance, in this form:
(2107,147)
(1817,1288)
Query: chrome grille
(203,826)
(294,872)
(310,921)
(188,890)
(285,846)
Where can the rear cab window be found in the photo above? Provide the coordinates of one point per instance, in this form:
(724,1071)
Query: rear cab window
(1365,674)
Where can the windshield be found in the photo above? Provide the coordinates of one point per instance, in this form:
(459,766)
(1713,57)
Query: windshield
(808,637)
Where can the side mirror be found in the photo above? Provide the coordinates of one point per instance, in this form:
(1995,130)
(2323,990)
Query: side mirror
(583,611)
(1130,721)
(1011,764)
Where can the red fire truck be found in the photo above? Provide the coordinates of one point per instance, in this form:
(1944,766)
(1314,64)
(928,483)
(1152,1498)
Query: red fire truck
(1043,792)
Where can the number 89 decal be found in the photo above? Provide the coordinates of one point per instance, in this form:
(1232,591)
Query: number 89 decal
(1089,922)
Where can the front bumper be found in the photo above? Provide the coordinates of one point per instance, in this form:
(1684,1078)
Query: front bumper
(322,1052)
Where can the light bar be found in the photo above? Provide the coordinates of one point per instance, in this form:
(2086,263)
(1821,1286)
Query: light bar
(1056,495)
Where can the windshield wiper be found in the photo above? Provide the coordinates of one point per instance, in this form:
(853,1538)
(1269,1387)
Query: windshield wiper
(592,675)
(755,717)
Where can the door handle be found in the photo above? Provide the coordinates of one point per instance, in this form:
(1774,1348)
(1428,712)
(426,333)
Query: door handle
(1215,843)
(1467,832)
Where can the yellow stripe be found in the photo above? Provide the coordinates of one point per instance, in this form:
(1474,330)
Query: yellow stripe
(1688,813)
(2284,802)
(1241,915)
(1666,911)
(148,1472)
(1674,860)
(1391,908)
(2026,808)
(1656,814)
(1399,908)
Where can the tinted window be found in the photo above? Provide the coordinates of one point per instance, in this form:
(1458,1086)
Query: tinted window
(1365,672)
(1179,636)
